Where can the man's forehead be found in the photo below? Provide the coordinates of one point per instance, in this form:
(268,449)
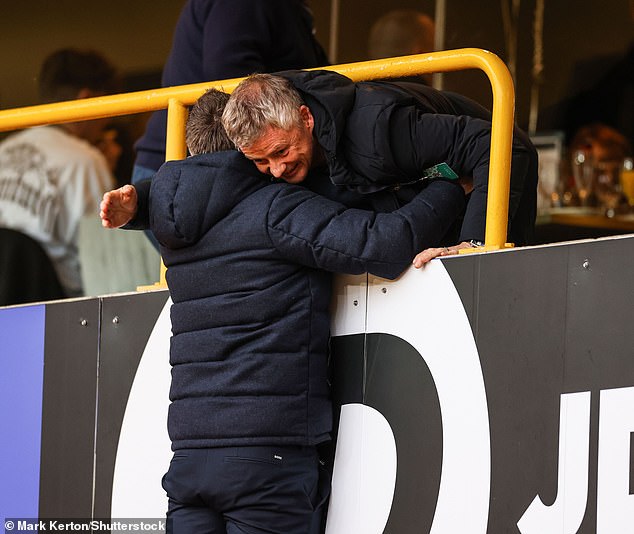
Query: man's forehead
(271,141)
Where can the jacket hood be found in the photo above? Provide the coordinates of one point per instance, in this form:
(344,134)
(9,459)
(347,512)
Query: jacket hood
(330,97)
(189,196)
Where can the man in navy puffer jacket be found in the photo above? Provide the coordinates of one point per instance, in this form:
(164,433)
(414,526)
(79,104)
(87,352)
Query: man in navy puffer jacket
(248,269)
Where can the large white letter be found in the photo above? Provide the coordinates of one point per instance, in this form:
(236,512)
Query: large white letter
(442,335)
(364,473)
(143,452)
(564,516)
(615,505)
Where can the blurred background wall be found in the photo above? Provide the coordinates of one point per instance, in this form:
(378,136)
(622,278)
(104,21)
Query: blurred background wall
(581,40)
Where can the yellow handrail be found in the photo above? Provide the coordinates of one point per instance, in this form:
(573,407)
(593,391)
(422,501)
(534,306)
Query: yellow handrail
(176,99)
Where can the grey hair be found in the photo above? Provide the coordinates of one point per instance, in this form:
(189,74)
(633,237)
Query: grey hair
(261,101)
(203,131)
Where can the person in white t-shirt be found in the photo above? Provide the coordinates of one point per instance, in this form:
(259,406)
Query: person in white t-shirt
(50,176)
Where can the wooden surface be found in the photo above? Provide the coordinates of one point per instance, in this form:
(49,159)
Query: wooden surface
(569,224)
(587,217)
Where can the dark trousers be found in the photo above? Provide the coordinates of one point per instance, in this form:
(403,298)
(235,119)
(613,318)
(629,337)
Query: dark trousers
(246,490)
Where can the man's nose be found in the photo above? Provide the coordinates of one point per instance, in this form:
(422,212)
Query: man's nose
(277,168)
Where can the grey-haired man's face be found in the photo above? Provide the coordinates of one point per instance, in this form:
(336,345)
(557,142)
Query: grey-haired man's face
(285,154)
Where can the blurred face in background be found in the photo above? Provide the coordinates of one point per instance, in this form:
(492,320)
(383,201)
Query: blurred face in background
(109,146)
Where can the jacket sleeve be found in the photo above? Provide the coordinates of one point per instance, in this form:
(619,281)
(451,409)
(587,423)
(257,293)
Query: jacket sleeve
(141,220)
(464,143)
(316,232)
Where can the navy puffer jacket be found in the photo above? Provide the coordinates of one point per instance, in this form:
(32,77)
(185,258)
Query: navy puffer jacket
(381,134)
(246,268)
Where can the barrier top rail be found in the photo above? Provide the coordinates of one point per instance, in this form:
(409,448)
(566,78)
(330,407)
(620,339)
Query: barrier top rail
(176,99)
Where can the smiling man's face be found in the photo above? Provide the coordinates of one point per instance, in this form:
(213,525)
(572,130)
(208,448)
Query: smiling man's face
(285,154)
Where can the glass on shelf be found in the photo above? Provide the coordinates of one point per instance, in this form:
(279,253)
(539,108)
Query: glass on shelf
(608,187)
(627,180)
(583,167)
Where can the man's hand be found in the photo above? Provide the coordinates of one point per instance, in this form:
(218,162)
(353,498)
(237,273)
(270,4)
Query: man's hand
(467,184)
(430,253)
(118,207)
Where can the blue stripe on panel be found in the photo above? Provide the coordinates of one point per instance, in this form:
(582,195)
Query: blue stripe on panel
(21,376)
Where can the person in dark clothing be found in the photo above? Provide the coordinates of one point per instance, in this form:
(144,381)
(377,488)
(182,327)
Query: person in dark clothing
(248,270)
(220,39)
(378,136)
(601,91)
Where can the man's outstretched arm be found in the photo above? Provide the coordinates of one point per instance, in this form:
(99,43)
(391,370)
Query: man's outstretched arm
(316,232)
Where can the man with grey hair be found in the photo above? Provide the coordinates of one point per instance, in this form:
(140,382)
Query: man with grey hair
(378,137)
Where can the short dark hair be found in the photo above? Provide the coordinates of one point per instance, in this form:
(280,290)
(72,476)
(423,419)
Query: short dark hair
(204,131)
(67,71)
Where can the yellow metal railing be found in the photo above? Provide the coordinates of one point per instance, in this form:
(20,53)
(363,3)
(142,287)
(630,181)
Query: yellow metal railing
(176,100)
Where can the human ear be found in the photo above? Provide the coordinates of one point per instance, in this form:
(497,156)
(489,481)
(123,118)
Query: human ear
(307,117)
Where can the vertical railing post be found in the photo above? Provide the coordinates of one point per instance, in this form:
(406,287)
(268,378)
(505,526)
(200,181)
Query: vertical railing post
(501,151)
(501,120)
(175,147)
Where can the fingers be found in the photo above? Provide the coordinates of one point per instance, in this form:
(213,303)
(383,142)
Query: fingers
(104,209)
(429,254)
(127,194)
(113,210)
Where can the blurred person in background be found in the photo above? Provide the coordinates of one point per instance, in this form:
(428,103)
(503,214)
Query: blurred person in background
(50,176)
(117,146)
(608,99)
(604,142)
(597,151)
(402,32)
(221,39)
